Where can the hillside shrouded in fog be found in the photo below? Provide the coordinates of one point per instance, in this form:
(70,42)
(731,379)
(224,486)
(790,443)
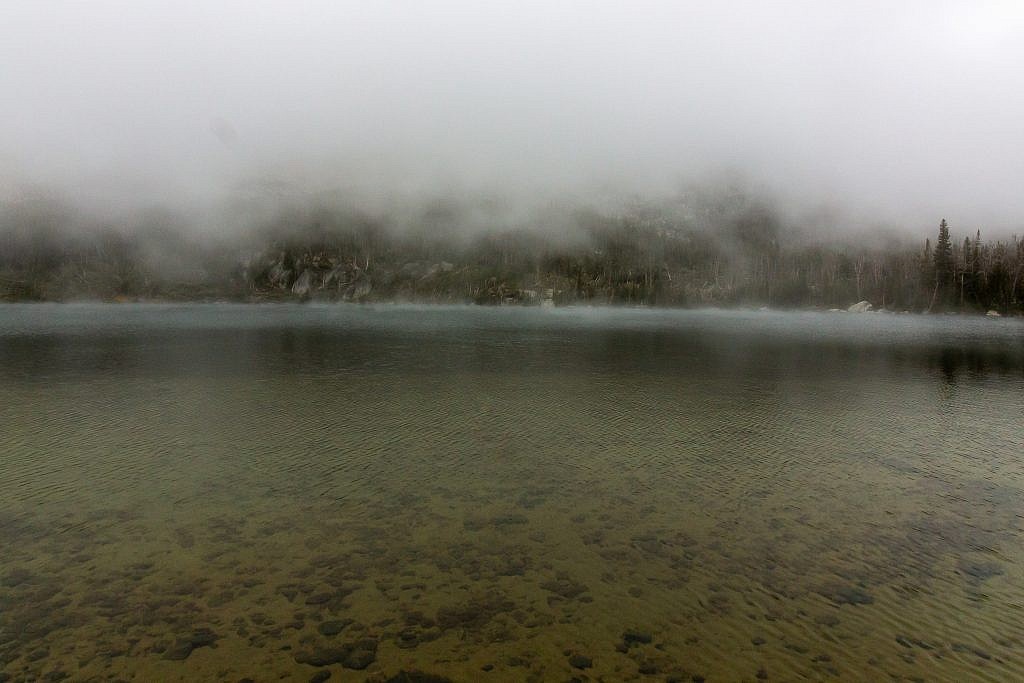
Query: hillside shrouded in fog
(703,249)
(456,151)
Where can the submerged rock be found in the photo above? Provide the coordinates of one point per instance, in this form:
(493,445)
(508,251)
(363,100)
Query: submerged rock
(411,637)
(474,614)
(16,577)
(648,668)
(183,647)
(417,677)
(635,637)
(360,658)
(980,571)
(333,628)
(578,661)
(963,648)
(508,520)
(847,595)
(357,655)
(36,655)
(564,587)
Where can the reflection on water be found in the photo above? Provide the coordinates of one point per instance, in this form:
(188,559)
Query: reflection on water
(231,492)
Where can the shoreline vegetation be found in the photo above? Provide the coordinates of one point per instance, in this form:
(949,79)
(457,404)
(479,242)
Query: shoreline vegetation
(736,257)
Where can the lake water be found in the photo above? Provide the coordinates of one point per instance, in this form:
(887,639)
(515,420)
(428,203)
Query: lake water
(230,492)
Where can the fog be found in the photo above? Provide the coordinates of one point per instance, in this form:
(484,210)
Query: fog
(883,113)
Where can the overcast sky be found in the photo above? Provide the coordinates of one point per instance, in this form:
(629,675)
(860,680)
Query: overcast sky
(905,110)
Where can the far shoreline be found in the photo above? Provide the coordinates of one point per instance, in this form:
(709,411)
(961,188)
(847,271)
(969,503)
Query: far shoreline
(324,302)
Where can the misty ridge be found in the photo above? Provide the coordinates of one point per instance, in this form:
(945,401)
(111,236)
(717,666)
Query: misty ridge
(541,153)
(710,244)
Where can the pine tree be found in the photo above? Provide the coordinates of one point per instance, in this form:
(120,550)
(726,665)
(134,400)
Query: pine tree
(926,272)
(976,269)
(943,255)
(965,269)
(942,262)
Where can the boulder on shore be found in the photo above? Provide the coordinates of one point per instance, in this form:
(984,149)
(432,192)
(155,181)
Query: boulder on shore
(304,284)
(358,290)
(994,314)
(860,307)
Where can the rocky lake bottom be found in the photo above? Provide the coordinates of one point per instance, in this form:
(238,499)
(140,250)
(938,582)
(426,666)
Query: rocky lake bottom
(244,493)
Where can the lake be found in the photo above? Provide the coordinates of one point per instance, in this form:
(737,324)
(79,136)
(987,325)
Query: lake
(269,492)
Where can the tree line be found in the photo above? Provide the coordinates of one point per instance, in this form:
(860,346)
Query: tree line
(644,255)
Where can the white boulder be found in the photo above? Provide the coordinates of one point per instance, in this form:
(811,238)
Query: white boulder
(860,307)
(304,284)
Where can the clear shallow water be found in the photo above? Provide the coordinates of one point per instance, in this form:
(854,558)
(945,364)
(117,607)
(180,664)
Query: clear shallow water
(221,492)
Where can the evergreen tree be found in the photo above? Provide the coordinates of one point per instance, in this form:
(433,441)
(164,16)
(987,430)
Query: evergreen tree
(976,269)
(943,255)
(943,264)
(927,274)
(966,273)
